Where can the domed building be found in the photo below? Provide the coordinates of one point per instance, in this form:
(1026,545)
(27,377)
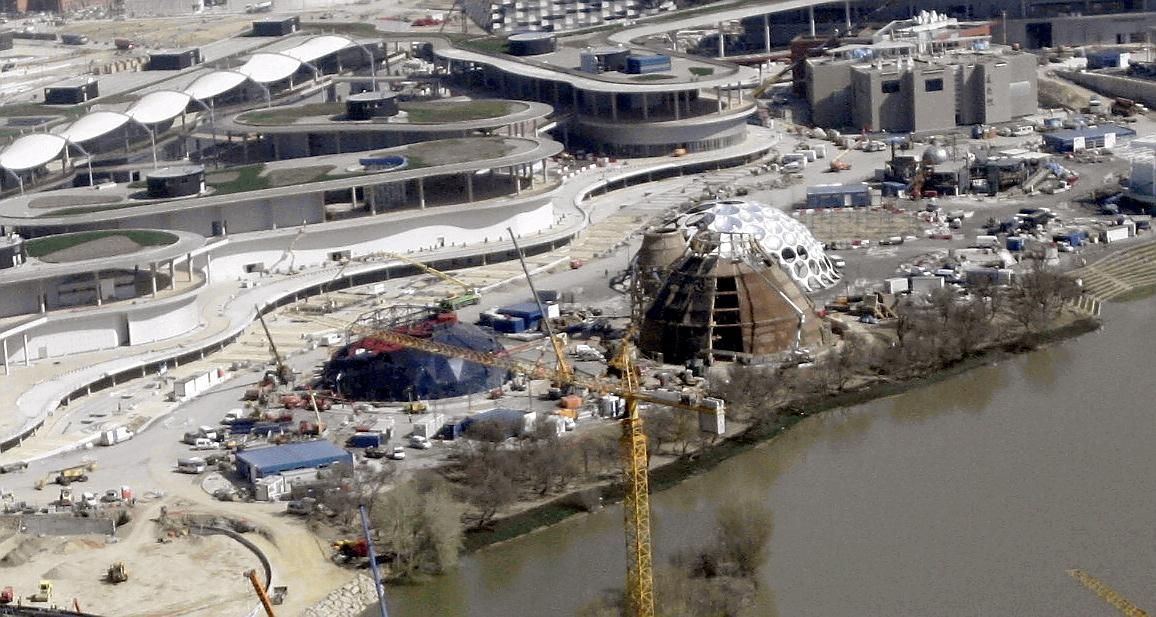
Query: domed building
(736,291)
(373,370)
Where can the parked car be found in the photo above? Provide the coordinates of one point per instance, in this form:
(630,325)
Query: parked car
(398,453)
(373,452)
(420,442)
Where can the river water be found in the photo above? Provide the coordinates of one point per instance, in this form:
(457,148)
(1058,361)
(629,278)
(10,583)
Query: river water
(970,497)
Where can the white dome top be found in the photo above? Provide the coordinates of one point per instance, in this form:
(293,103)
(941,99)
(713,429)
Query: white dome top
(790,242)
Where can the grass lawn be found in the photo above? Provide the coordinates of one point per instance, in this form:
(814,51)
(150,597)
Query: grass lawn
(40,247)
(348,28)
(454,111)
(651,77)
(701,71)
(289,115)
(238,180)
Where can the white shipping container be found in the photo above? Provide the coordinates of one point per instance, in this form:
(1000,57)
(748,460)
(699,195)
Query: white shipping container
(925,284)
(1115,234)
(896,285)
(716,423)
(986,241)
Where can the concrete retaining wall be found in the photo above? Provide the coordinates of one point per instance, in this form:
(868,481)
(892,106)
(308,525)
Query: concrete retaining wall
(66,525)
(1140,90)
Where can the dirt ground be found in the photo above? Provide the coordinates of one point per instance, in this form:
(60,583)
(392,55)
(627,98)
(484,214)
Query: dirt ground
(169,579)
(165,32)
(833,225)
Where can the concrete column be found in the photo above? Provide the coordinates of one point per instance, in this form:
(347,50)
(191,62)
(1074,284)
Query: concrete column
(847,15)
(172,274)
(645,111)
(722,48)
(42,299)
(27,352)
(189,266)
(153,277)
(4,350)
(545,178)
(767,32)
(739,93)
(613,106)
(555,94)
(353,196)
(421,192)
(676,114)
(514,173)
(96,281)
(469,187)
(811,18)
(718,97)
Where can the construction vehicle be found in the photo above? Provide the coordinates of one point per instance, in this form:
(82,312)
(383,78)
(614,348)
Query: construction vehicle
(266,602)
(565,371)
(636,505)
(284,373)
(1107,594)
(468,296)
(1124,107)
(43,592)
(7,595)
(68,475)
(117,573)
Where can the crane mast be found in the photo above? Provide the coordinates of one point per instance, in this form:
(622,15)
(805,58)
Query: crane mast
(1107,594)
(636,505)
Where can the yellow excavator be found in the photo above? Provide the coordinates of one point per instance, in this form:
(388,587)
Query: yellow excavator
(68,475)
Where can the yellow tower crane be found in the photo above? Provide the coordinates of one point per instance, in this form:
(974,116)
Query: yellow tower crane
(468,295)
(1107,594)
(639,568)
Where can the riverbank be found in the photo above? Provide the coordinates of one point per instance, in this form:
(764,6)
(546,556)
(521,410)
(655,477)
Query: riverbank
(670,474)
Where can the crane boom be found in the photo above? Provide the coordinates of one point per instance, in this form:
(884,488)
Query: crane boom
(282,368)
(566,372)
(1107,594)
(261,595)
(536,371)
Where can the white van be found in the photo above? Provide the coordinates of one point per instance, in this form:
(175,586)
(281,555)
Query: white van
(1021,131)
(204,443)
(194,465)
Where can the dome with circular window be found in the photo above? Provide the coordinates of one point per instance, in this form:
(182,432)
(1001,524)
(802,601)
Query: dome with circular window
(785,239)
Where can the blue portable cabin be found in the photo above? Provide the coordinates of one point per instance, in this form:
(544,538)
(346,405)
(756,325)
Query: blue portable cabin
(1091,137)
(856,195)
(272,460)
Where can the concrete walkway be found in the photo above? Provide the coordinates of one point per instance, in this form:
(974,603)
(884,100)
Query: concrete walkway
(34,393)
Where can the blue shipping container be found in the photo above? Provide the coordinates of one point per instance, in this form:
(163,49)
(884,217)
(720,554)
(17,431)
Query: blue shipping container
(638,65)
(510,325)
(1015,243)
(525,310)
(364,440)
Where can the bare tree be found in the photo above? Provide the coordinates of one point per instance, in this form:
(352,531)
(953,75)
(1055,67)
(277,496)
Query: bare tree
(1036,299)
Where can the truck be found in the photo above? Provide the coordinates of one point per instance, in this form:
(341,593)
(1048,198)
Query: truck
(462,300)
(68,475)
(114,436)
(124,44)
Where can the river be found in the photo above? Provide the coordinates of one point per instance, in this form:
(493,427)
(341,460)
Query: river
(969,497)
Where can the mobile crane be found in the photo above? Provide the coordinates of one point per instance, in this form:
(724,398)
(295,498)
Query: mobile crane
(636,505)
(467,297)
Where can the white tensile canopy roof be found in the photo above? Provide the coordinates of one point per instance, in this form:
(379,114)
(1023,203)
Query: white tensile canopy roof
(159,106)
(268,68)
(94,124)
(32,151)
(216,83)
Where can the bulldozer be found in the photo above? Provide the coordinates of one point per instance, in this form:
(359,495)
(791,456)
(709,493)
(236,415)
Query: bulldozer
(43,592)
(117,573)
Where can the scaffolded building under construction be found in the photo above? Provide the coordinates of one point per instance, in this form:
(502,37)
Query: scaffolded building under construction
(727,281)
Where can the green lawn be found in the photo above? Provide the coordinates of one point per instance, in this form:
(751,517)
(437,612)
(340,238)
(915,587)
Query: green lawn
(289,115)
(40,247)
(241,179)
(701,71)
(454,111)
(651,77)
